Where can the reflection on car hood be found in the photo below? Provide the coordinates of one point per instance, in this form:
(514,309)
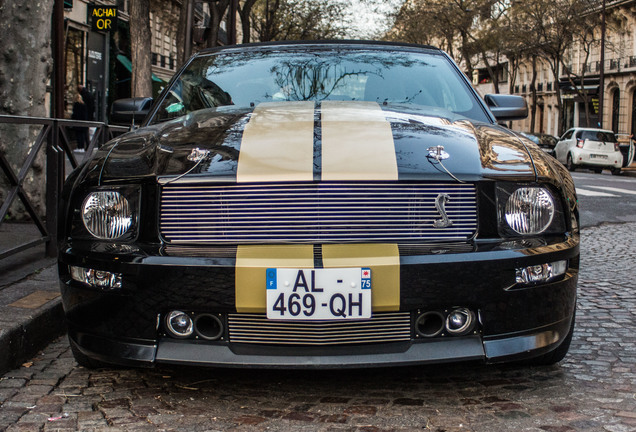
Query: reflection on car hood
(292,141)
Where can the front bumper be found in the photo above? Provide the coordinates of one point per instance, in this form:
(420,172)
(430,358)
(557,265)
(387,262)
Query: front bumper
(469,348)
(516,322)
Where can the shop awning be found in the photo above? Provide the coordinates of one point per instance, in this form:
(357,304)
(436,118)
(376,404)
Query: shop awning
(125,61)
(590,84)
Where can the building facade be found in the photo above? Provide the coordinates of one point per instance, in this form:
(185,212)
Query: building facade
(618,95)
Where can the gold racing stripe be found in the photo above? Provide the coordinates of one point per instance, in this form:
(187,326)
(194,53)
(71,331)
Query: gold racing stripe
(357,142)
(278,143)
(251,264)
(384,262)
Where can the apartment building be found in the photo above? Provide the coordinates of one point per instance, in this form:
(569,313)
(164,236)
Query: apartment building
(619,90)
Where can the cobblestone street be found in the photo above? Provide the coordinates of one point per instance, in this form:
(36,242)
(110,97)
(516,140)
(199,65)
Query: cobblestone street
(593,389)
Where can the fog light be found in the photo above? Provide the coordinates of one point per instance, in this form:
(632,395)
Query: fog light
(460,321)
(541,273)
(179,324)
(96,278)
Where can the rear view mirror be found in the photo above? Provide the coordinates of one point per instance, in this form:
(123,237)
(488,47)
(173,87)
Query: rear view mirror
(130,111)
(507,107)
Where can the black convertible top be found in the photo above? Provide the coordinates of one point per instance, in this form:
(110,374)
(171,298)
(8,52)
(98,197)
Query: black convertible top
(325,42)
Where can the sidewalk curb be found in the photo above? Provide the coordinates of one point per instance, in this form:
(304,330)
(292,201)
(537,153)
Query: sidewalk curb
(24,332)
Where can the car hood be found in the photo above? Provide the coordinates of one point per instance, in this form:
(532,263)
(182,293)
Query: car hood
(295,141)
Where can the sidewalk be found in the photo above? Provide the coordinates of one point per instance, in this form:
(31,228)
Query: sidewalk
(30,304)
(630,170)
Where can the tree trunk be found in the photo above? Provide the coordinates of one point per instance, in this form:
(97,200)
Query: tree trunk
(181,33)
(25,68)
(533,91)
(513,64)
(554,66)
(246,25)
(218,9)
(140,42)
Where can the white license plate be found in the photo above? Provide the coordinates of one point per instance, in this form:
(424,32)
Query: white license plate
(598,156)
(318,294)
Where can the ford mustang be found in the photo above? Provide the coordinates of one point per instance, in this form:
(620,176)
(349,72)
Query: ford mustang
(319,205)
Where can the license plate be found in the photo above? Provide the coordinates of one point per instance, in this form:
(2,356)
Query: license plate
(318,294)
(598,156)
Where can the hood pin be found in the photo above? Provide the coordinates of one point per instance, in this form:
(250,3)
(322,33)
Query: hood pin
(438,153)
(197,155)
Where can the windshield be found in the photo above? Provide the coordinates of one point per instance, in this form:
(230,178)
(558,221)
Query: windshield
(247,78)
(598,136)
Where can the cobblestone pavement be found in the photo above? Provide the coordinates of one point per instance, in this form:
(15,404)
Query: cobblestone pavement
(594,389)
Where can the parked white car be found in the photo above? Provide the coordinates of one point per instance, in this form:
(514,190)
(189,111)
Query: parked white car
(589,148)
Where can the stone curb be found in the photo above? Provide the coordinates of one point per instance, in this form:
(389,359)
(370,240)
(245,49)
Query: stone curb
(24,331)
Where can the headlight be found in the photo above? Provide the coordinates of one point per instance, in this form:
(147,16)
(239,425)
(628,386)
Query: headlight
(107,214)
(529,210)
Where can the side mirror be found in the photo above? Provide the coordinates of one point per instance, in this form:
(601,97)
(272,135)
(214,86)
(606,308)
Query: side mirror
(130,111)
(507,107)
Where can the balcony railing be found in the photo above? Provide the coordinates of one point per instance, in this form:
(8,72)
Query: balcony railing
(614,64)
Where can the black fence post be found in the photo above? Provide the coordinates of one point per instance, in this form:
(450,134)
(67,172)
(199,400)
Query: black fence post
(54,176)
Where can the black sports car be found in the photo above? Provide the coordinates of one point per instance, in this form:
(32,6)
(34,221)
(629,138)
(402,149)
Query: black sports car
(316,205)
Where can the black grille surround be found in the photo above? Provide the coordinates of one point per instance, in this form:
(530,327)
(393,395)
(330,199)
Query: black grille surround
(315,212)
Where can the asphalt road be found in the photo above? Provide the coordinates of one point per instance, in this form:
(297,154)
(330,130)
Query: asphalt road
(604,198)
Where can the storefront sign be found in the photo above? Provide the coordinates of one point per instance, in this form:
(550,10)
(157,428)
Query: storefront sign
(102,18)
(595,104)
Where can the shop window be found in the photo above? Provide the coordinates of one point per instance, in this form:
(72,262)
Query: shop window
(74,67)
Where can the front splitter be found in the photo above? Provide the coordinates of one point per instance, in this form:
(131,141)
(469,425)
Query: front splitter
(461,349)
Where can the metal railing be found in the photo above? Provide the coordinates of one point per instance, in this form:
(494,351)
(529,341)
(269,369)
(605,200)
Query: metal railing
(53,138)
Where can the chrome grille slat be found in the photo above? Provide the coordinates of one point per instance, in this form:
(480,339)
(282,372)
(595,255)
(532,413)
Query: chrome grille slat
(257,329)
(314,213)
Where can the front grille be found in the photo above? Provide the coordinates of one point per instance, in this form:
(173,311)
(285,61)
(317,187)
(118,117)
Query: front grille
(314,213)
(381,328)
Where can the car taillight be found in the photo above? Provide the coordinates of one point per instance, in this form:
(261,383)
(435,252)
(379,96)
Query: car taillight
(616,147)
(579,142)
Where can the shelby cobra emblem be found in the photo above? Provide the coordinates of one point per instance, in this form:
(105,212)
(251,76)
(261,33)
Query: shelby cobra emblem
(440,205)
